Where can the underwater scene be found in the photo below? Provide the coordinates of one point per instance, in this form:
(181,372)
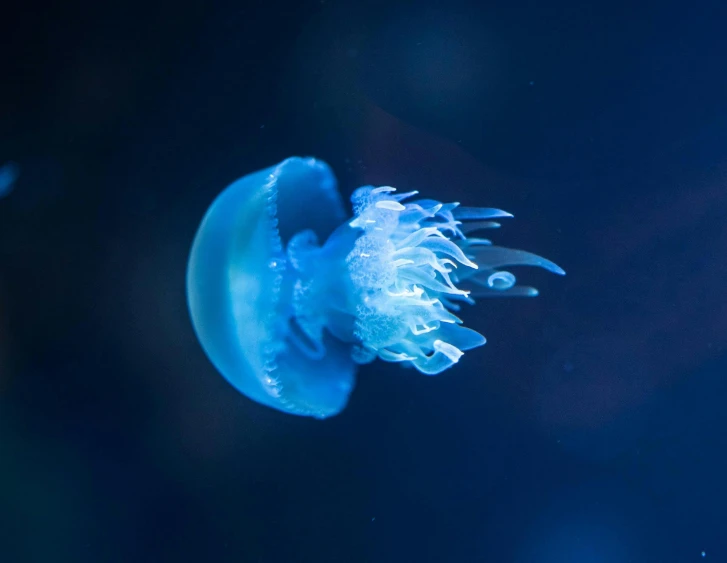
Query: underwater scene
(352,281)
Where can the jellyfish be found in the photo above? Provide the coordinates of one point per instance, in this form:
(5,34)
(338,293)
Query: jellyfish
(288,295)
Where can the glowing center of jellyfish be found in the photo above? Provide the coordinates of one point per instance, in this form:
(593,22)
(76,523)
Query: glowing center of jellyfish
(297,315)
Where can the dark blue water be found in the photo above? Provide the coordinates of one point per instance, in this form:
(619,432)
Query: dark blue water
(591,427)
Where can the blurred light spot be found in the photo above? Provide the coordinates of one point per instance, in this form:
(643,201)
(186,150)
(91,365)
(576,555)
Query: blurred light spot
(8,175)
(598,521)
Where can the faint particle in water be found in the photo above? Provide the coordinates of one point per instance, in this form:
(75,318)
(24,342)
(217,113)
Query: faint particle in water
(8,176)
(704,554)
(593,399)
(288,319)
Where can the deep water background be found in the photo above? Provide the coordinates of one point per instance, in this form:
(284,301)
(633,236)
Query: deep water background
(591,428)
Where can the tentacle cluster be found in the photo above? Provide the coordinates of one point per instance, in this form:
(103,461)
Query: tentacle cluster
(405,269)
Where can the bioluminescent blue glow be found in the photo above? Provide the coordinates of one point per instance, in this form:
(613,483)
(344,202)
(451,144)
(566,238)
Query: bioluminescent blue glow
(288,297)
(8,175)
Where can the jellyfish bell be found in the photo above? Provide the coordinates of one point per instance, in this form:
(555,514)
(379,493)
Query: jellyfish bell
(287,297)
(234,285)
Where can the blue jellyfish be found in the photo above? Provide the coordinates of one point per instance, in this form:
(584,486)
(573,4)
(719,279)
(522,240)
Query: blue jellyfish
(288,296)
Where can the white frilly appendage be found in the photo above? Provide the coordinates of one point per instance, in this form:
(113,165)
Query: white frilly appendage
(389,280)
